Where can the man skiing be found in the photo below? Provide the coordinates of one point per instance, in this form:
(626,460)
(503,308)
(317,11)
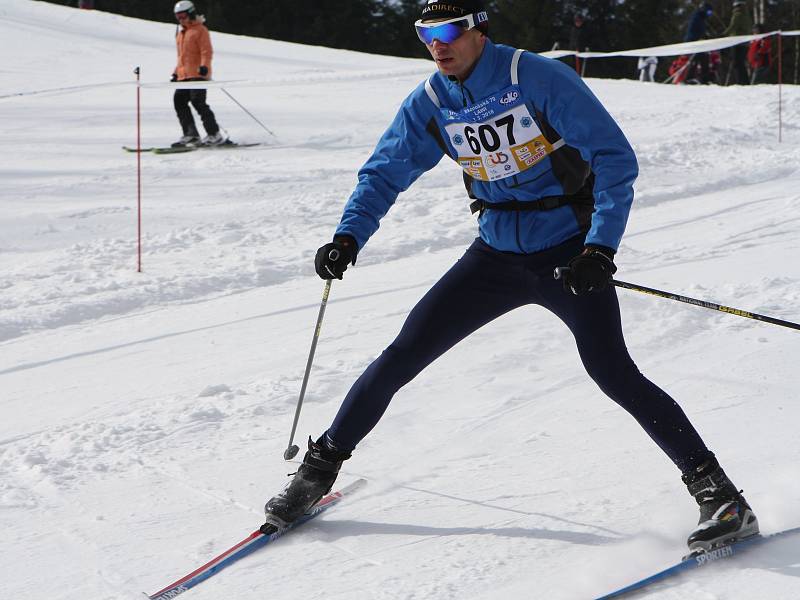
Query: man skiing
(550,175)
(193,43)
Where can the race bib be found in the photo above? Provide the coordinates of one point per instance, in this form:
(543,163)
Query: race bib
(496,137)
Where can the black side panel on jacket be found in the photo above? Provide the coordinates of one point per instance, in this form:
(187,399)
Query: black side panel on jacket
(573,173)
(568,166)
(433,129)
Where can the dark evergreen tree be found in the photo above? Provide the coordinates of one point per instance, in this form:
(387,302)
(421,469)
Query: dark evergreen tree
(386,26)
(534,26)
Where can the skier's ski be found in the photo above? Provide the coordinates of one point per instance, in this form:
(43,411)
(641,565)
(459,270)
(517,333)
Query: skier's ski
(226,145)
(179,149)
(696,561)
(175,149)
(251,543)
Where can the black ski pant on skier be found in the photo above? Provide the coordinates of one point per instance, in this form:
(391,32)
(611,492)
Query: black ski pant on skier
(197,98)
(483,285)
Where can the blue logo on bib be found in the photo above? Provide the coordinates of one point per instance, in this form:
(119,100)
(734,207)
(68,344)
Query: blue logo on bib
(526,121)
(458,140)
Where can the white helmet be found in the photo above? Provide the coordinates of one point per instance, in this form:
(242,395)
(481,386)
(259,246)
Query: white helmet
(184,6)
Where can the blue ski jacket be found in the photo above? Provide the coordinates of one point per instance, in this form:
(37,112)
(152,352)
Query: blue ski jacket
(595,159)
(696,30)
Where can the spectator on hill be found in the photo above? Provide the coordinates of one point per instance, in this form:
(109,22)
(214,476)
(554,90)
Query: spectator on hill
(697,30)
(759,56)
(647,68)
(741,24)
(579,41)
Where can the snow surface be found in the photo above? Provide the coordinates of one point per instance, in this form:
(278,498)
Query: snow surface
(145,414)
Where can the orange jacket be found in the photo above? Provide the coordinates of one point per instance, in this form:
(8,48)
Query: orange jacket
(194,49)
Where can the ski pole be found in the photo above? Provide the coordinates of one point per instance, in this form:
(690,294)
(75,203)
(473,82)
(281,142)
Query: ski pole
(291,449)
(559,271)
(252,116)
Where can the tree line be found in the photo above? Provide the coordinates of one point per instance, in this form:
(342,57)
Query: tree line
(386,26)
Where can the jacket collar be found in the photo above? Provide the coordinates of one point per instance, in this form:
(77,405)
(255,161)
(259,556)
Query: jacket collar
(190,23)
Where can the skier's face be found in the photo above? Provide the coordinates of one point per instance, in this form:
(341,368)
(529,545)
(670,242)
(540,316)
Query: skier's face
(458,57)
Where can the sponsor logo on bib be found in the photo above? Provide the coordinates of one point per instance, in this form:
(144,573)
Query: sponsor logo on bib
(510,97)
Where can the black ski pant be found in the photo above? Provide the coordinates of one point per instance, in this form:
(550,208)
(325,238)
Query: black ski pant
(760,75)
(483,285)
(197,98)
(701,59)
(740,64)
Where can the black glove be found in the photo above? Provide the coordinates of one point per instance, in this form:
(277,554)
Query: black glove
(174,77)
(332,258)
(590,271)
(203,70)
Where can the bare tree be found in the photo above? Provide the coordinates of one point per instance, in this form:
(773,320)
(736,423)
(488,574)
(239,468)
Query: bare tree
(759,11)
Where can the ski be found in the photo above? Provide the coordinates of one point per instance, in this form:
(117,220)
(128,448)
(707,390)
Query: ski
(225,146)
(180,149)
(695,561)
(250,544)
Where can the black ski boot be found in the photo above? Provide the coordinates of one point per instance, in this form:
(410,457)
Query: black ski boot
(725,516)
(312,481)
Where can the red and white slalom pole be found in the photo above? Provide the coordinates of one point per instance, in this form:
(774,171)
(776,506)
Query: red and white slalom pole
(137,71)
(780,86)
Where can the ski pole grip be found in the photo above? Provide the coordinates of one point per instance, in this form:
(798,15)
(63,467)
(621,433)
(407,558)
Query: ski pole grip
(559,272)
(333,254)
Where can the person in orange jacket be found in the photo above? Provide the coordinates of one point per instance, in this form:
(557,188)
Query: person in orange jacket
(194,64)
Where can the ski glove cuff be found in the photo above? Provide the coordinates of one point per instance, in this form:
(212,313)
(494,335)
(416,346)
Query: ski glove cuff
(590,271)
(333,258)
(174,77)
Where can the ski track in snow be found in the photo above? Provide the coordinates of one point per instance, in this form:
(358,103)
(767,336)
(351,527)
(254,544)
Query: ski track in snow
(146,413)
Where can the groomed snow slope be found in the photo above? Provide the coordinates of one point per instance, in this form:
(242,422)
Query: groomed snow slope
(144,415)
